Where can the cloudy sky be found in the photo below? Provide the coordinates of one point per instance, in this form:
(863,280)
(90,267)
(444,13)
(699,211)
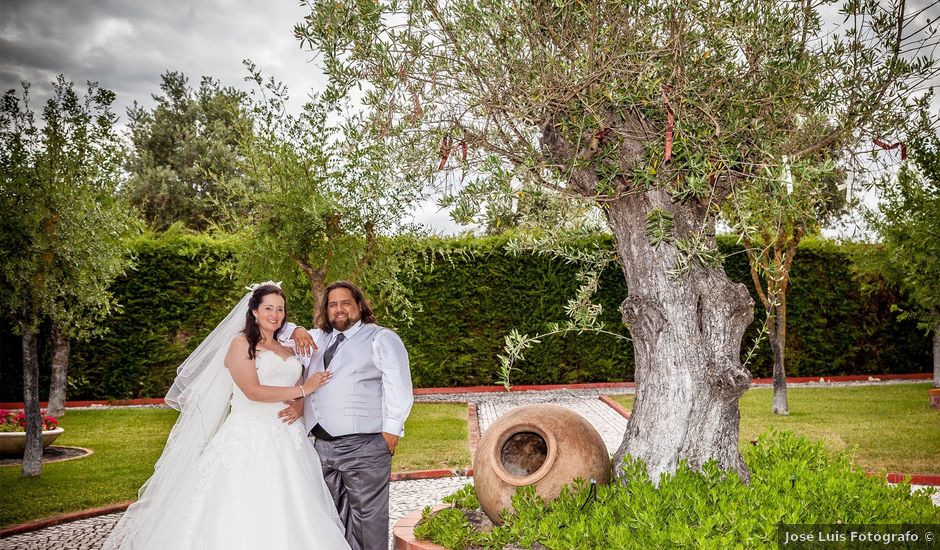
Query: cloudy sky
(126,46)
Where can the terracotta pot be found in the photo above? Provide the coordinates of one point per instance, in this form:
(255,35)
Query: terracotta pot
(542,445)
(14,443)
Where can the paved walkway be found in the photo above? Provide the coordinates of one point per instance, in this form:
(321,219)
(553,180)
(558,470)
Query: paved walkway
(405,495)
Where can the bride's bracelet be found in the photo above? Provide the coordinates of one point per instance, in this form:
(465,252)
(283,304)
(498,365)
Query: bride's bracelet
(303,394)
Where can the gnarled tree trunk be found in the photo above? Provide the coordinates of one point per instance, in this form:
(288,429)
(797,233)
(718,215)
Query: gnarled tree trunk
(61,347)
(687,335)
(32,457)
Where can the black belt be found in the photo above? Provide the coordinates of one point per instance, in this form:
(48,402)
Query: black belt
(320,433)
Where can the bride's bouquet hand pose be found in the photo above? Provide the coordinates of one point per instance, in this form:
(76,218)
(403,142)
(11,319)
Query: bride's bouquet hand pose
(232,475)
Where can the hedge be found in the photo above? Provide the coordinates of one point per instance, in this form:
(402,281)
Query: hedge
(178,290)
(472,292)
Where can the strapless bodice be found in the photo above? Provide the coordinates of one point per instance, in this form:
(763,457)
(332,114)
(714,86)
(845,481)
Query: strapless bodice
(273,370)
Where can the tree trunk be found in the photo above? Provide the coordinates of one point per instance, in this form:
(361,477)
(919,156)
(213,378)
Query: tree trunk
(317,278)
(317,285)
(936,356)
(778,342)
(687,335)
(61,347)
(32,457)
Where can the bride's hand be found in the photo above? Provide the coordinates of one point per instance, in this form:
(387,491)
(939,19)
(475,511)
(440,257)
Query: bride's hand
(316,381)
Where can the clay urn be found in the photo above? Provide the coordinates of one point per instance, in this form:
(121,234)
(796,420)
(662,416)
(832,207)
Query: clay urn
(542,445)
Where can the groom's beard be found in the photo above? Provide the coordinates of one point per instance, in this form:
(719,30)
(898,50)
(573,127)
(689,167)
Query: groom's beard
(342,324)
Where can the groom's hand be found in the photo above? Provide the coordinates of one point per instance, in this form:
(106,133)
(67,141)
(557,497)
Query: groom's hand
(303,341)
(391,441)
(293,411)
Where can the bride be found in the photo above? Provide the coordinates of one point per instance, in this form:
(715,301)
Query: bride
(239,479)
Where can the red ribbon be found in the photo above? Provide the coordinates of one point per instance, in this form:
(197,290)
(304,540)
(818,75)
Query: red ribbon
(887,147)
(670,124)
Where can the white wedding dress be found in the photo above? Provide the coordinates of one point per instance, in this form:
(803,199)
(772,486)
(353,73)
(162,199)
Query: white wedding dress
(256,485)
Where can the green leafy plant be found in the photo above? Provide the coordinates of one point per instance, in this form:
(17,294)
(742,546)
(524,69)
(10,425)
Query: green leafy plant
(792,481)
(465,498)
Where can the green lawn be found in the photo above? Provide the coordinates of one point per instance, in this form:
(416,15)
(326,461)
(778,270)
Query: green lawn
(127,442)
(891,426)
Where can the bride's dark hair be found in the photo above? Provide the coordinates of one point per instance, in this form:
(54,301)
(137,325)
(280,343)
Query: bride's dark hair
(251,330)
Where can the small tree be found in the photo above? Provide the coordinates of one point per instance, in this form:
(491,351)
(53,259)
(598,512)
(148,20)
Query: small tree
(908,220)
(183,147)
(772,217)
(656,111)
(321,198)
(61,235)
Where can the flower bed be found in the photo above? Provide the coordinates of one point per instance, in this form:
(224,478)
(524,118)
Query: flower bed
(13,432)
(15,421)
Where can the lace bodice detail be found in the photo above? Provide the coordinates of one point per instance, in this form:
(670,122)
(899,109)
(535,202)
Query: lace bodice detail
(273,370)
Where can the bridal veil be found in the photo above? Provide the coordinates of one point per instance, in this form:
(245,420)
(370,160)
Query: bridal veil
(201,393)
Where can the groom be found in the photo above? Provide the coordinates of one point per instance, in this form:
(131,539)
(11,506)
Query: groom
(359,415)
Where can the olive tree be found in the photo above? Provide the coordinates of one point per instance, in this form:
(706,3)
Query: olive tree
(772,217)
(322,199)
(61,233)
(656,111)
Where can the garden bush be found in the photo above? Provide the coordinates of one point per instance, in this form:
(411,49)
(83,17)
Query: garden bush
(471,293)
(180,288)
(793,481)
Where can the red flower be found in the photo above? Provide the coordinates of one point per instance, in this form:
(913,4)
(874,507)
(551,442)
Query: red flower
(15,421)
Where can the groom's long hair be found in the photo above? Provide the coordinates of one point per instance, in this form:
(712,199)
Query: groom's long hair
(323,312)
(251,330)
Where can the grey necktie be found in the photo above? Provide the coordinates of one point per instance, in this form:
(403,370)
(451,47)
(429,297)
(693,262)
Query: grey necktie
(331,351)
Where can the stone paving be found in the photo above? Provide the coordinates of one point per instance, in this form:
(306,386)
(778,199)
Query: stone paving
(89,534)
(405,496)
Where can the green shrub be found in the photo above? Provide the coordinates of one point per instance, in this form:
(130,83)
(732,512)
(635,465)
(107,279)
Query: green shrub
(472,292)
(793,481)
(179,290)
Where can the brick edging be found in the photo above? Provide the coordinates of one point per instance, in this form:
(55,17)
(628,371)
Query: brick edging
(916,479)
(64,518)
(615,406)
(432,474)
(93,403)
(403,532)
(473,429)
(847,378)
(536,387)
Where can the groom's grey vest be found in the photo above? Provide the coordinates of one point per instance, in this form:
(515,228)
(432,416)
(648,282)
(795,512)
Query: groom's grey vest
(351,402)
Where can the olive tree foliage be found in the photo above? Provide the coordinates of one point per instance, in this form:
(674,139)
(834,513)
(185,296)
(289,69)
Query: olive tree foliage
(908,221)
(62,231)
(656,111)
(322,198)
(184,148)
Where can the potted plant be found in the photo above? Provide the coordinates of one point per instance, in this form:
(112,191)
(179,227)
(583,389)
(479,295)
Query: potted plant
(13,432)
